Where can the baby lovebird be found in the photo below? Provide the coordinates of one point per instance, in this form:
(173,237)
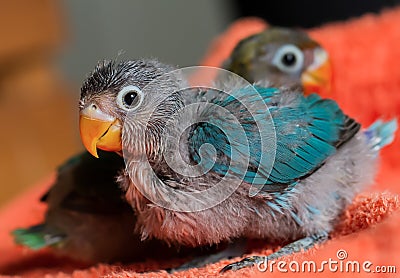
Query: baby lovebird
(87,218)
(204,166)
(283,56)
(85,206)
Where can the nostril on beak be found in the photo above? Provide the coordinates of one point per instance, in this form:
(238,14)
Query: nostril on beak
(94,111)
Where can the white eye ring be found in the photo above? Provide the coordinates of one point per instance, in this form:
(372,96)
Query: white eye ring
(130,98)
(279,57)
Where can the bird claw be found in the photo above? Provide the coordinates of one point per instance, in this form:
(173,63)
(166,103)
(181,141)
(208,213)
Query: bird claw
(234,249)
(294,247)
(246,262)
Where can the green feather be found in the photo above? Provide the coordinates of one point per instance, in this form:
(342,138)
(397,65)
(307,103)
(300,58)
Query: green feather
(35,238)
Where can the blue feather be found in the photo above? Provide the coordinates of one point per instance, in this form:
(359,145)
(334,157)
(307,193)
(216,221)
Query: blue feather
(380,133)
(308,131)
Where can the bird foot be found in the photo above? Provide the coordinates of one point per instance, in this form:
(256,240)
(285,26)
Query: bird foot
(294,247)
(234,249)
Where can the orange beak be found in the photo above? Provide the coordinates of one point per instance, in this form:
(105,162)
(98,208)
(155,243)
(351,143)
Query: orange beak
(99,131)
(317,78)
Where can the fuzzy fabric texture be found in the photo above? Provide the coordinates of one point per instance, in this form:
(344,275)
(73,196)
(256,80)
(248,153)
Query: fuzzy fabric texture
(365,54)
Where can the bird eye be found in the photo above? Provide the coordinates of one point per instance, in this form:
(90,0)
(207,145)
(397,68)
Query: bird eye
(289,58)
(129,98)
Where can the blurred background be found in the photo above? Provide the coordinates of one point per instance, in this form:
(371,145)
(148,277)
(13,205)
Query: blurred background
(47,48)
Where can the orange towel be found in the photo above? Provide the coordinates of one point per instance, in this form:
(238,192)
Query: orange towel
(365,57)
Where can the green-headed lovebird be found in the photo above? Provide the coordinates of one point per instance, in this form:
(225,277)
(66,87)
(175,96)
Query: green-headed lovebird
(283,56)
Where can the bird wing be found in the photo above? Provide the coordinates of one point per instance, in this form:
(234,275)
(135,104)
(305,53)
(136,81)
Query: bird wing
(308,131)
(88,185)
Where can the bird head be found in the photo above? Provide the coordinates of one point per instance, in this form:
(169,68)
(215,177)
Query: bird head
(282,56)
(114,91)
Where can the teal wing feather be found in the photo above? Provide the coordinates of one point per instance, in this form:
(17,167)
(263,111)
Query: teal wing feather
(308,131)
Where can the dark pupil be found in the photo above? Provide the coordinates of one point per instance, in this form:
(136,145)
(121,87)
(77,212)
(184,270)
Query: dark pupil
(289,59)
(130,98)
